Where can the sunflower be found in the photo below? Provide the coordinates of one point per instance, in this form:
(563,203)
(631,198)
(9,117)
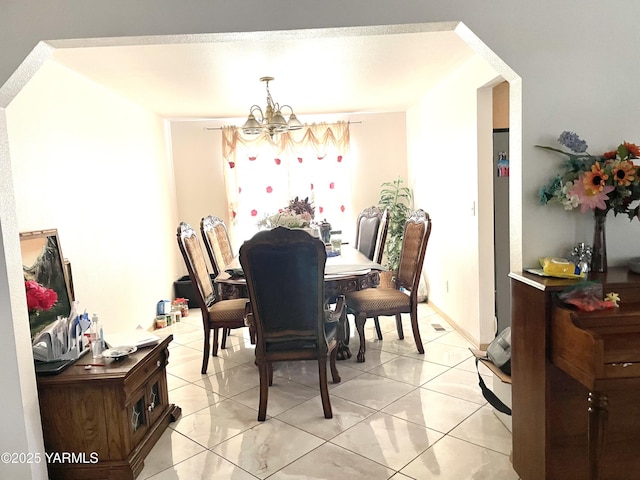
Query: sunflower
(633,149)
(595,180)
(624,172)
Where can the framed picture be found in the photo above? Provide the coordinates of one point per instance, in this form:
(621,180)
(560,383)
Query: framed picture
(46,277)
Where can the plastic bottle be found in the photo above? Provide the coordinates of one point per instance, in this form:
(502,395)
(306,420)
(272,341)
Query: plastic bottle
(96,337)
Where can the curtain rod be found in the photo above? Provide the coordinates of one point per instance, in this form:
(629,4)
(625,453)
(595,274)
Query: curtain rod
(304,124)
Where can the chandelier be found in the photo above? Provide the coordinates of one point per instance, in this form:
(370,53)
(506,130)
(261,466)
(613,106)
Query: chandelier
(271,120)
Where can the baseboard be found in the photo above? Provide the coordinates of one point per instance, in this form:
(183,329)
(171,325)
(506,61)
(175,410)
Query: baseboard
(460,330)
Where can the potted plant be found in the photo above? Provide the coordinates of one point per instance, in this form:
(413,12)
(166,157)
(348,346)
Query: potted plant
(397,199)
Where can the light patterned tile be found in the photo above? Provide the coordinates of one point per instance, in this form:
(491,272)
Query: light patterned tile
(283,395)
(453,459)
(216,423)
(191,398)
(372,391)
(432,409)
(329,462)
(171,448)
(455,339)
(268,447)
(388,440)
(409,370)
(459,383)
(373,357)
(174,382)
(190,369)
(306,372)
(201,467)
(308,416)
(484,429)
(443,354)
(231,381)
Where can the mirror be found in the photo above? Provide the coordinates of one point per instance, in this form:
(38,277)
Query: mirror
(43,263)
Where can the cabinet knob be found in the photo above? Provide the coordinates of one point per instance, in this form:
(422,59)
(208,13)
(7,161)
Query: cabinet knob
(158,363)
(151,406)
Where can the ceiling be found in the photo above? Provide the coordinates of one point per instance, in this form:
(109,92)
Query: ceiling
(316,72)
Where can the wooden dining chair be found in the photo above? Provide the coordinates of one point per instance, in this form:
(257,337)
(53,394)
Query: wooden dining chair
(371,232)
(216,313)
(371,235)
(217,243)
(374,302)
(284,270)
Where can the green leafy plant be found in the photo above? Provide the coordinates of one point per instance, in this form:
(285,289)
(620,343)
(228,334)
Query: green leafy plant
(397,199)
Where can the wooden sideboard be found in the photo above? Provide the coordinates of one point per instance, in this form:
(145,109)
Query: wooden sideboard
(551,400)
(107,417)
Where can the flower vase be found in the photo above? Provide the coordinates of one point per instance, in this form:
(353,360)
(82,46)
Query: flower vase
(599,252)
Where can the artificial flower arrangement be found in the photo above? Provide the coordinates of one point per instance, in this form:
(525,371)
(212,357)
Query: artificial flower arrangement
(597,183)
(39,297)
(298,214)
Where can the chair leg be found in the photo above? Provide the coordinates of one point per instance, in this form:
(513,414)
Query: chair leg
(324,389)
(332,364)
(225,332)
(377,324)
(214,351)
(263,369)
(416,329)
(361,318)
(270,372)
(399,326)
(205,350)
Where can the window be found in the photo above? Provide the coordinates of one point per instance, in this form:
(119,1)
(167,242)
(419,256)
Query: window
(263,174)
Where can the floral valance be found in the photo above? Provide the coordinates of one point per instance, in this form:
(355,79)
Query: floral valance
(319,136)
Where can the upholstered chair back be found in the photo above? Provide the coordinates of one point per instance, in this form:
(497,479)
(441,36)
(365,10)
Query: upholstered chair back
(194,259)
(417,230)
(216,239)
(371,228)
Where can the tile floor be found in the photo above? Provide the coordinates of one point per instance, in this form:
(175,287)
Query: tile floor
(399,415)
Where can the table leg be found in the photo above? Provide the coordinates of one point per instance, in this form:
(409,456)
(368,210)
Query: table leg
(344,352)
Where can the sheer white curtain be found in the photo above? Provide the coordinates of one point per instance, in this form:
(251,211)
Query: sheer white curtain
(263,174)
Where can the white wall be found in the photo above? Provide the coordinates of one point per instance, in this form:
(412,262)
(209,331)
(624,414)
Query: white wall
(378,154)
(96,167)
(443,157)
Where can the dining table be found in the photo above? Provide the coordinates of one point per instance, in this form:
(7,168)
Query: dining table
(348,271)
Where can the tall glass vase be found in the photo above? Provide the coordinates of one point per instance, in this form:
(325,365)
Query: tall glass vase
(599,249)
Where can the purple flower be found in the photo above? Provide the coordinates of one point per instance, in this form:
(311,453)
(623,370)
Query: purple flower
(573,142)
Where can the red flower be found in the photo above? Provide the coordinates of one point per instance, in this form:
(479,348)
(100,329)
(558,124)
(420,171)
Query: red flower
(339,158)
(254,213)
(252,158)
(320,209)
(299,159)
(342,209)
(312,186)
(331,185)
(39,297)
(232,164)
(278,161)
(233,213)
(269,189)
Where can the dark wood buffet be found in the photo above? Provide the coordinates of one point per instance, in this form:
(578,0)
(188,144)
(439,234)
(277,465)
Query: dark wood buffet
(107,417)
(575,381)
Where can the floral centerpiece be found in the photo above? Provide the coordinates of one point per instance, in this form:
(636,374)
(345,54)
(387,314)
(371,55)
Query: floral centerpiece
(595,183)
(298,214)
